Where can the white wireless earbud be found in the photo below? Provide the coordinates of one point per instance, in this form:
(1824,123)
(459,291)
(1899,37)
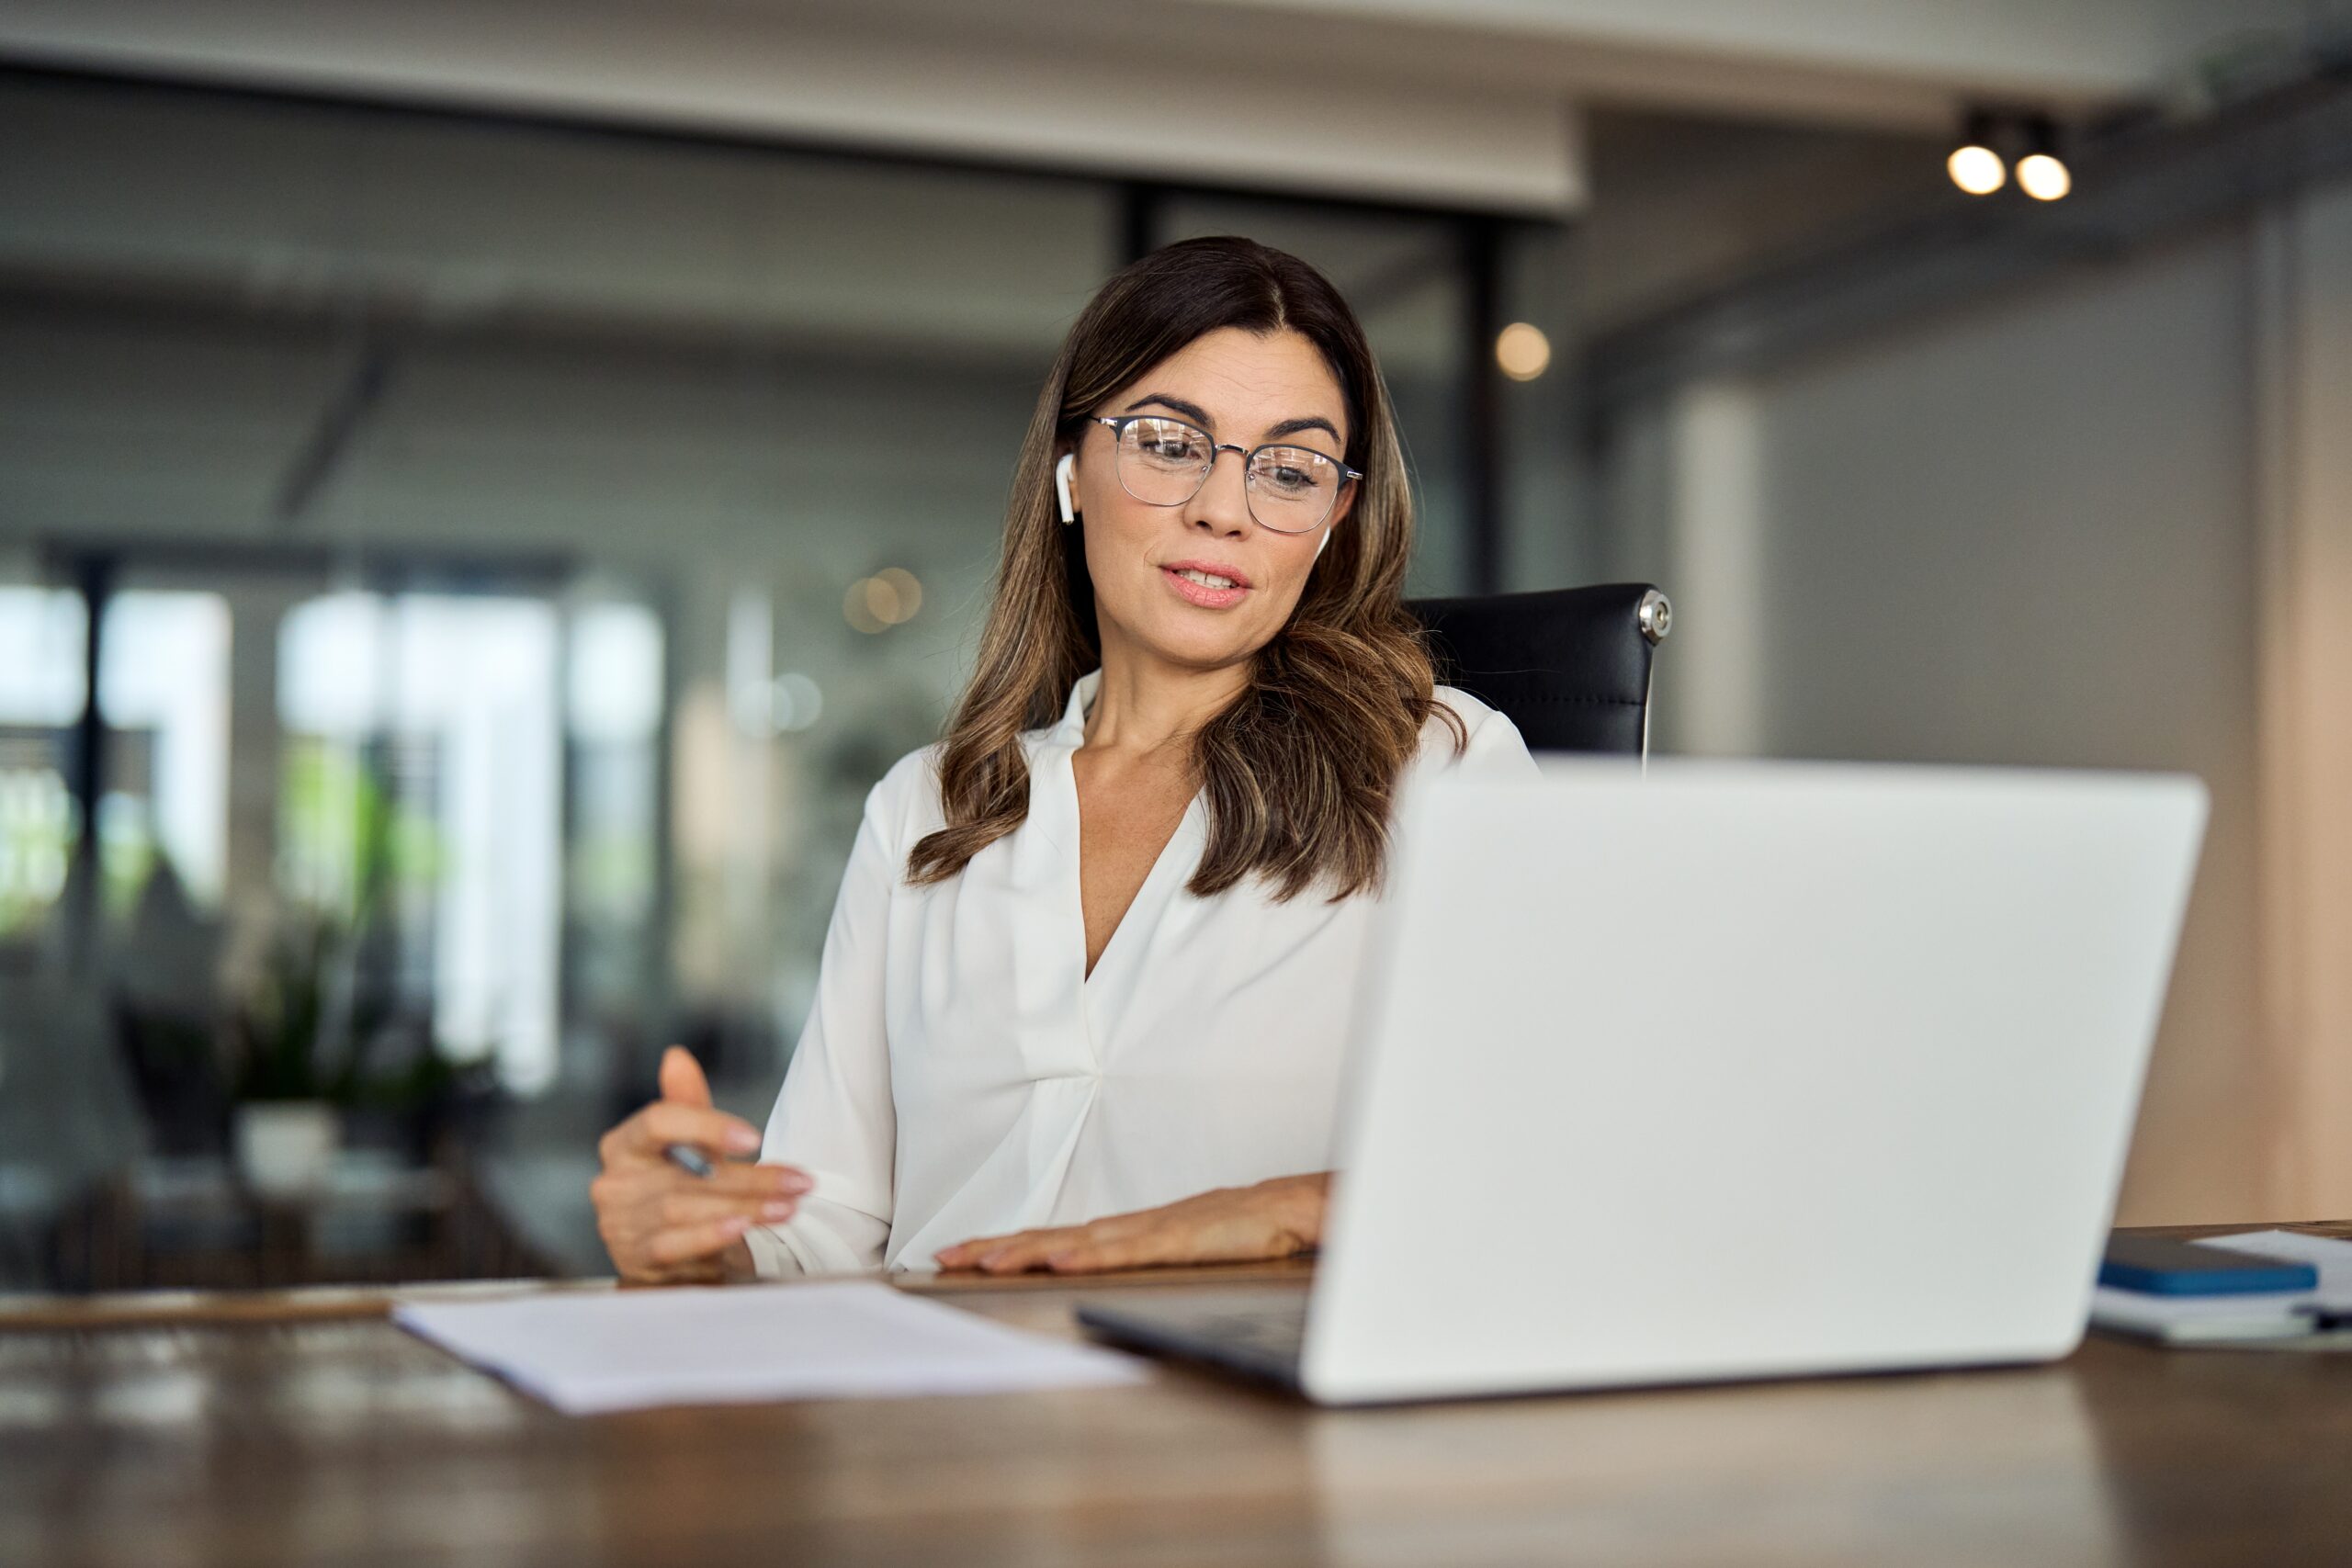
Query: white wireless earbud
(1319,548)
(1061,486)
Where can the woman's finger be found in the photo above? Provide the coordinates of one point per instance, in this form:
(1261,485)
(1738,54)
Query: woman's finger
(1010,1254)
(1031,1248)
(968,1254)
(1097,1257)
(682,1077)
(964,1254)
(685,1243)
(705,1271)
(753,1181)
(631,1182)
(664,1123)
(1201,1238)
(683,1210)
(628,1185)
(1129,1247)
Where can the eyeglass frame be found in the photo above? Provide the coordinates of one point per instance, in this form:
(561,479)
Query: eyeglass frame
(1117,424)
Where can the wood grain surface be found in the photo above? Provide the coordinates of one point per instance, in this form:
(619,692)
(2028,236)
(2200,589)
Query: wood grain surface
(300,1429)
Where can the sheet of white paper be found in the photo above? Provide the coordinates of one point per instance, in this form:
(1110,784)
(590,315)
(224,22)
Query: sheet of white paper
(838,1339)
(2331,1256)
(2259,1315)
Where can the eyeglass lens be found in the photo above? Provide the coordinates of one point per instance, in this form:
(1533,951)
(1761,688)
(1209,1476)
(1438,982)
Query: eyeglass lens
(1164,462)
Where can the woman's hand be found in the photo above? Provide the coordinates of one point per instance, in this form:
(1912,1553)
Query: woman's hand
(664,1226)
(1232,1224)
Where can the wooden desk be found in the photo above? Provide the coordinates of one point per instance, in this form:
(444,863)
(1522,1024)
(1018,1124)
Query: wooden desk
(307,1429)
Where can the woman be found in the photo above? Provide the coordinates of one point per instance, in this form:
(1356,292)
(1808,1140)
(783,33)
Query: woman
(1082,1001)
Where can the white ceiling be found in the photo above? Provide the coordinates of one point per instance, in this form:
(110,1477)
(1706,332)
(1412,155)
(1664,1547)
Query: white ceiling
(1170,100)
(1734,53)
(1396,96)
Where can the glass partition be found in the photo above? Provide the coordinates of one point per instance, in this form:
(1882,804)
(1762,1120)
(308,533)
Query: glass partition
(515,571)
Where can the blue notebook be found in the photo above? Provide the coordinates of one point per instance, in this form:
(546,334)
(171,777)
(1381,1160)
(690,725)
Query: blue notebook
(2163,1267)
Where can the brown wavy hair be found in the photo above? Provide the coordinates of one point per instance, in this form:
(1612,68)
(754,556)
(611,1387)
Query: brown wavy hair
(1301,767)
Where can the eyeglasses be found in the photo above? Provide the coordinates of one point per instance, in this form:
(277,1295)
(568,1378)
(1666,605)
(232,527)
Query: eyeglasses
(1164,462)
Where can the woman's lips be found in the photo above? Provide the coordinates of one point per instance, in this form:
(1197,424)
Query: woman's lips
(1200,593)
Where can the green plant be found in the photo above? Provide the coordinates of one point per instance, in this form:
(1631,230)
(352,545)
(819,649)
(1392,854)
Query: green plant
(322,1021)
(278,1036)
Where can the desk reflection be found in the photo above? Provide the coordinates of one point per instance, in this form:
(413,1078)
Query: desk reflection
(1949,1467)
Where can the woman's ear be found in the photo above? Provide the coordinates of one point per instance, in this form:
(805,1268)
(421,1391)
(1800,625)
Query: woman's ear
(1061,486)
(1340,515)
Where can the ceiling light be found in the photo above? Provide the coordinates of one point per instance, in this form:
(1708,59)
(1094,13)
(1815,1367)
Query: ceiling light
(1975,166)
(888,598)
(857,607)
(2041,175)
(1977,169)
(906,592)
(1522,350)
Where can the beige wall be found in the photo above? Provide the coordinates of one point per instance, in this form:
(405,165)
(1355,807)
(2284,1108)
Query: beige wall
(2303,369)
(2034,530)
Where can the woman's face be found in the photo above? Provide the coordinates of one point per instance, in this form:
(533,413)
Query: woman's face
(1244,389)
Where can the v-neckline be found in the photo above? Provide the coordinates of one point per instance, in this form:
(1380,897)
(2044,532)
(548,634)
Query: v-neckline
(1150,887)
(1063,741)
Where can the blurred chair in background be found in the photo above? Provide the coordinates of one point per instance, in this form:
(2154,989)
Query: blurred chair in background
(165,989)
(1569,666)
(69,1121)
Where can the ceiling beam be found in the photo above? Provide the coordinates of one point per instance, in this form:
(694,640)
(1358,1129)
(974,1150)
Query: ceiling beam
(1201,109)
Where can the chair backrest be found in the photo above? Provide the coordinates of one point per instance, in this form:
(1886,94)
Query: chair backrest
(1569,666)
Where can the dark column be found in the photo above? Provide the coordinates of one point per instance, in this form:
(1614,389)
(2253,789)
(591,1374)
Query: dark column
(1139,220)
(1482,434)
(94,575)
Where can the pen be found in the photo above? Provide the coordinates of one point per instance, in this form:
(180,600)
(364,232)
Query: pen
(690,1160)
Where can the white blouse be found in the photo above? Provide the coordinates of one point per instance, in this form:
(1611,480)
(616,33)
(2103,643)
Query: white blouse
(962,1075)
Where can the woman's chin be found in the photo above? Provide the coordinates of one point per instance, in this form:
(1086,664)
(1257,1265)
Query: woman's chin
(1193,645)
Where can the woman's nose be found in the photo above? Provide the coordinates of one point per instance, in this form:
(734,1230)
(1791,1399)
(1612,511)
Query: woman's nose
(1222,503)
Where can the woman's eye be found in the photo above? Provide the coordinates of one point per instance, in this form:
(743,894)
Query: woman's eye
(1166,443)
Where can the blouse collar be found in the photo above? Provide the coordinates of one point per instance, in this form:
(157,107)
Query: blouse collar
(1071,730)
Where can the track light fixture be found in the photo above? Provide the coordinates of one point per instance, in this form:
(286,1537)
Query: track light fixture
(2041,174)
(1979,163)
(1974,165)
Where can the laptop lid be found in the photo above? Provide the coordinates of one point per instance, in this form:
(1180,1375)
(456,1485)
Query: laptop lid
(1744,1069)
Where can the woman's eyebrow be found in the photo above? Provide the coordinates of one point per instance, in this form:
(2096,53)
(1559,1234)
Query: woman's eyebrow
(1193,411)
(1200,416)
(1293,426)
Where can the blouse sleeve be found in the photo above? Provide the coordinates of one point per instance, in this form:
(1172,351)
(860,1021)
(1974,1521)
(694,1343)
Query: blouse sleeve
(834,1117)
(1493,748)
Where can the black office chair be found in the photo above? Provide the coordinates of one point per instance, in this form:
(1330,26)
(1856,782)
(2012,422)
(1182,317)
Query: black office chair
(1569,666)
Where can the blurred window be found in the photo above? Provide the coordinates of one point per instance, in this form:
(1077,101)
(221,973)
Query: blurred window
(164,694)
(616,672)
(633,408)
(420,804)
(42,688)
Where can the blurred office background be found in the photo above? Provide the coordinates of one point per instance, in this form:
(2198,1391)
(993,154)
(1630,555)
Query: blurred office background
(484,490)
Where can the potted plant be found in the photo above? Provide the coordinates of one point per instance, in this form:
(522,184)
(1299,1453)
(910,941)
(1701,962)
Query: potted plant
(286,1125)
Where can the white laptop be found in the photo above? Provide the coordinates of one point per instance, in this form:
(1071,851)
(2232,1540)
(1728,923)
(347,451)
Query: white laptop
(1727,1071)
